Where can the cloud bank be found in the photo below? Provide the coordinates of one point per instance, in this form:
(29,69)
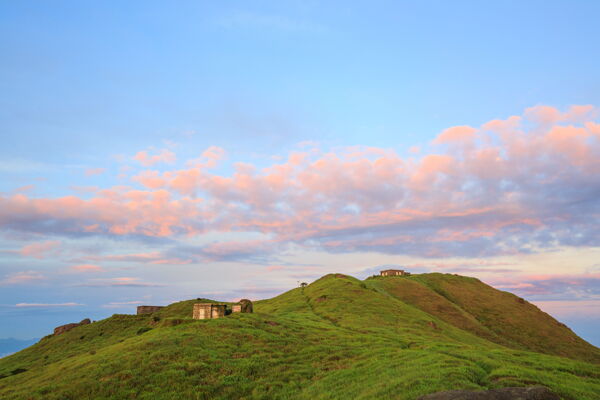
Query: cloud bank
(516,185)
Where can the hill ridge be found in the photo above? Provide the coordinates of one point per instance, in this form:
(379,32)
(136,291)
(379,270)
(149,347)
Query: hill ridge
(337,338)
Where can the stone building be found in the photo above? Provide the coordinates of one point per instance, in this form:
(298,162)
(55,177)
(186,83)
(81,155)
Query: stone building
(147,309)
(244,306)
(394,272)
(208,310)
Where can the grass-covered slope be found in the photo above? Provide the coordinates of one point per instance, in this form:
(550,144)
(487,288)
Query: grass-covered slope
(512,320)
(338,338)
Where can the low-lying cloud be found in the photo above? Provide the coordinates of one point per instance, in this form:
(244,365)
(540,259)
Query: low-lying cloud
(584,286)
(125,281)
(45,305)
(21,277)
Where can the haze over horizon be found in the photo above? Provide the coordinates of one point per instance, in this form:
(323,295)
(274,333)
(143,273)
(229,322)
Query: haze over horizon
(152,154)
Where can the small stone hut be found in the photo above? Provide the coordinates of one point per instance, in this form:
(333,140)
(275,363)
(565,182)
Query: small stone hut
(208,310)
(147,309)
(243,306)
(394,272)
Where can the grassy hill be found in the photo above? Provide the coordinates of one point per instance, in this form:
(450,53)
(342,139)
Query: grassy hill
(338,338)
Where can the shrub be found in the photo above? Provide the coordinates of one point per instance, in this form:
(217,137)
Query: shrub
(18,371)
(143,330)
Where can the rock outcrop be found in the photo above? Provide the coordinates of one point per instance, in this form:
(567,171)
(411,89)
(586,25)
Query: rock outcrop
(67,327)
(510,393)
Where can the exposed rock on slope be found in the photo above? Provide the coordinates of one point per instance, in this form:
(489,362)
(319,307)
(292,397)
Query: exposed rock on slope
(67,327)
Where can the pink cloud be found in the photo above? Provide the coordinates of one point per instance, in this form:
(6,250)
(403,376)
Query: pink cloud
(86,268)
(125,281)
(508,186)
(94,171)
(40,249)
(580,113)
(147,160)
(117,212)
(212,156)
(456,134)
(515,285)
(509,125)
(24,189)
(22,277)
(547,115)
(183,181)
(150,179)
(544,115)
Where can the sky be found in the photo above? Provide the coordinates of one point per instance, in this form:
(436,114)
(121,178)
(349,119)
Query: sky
(155,151)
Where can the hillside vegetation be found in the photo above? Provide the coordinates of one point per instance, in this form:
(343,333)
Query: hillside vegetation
(337,338)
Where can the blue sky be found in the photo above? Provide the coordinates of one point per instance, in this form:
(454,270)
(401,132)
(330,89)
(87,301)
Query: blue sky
(155,152)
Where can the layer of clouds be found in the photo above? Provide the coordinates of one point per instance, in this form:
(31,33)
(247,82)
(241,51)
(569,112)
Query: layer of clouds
(556,287)
(519,185)
(86,268)
(571,308)
(22,277)
(40,250)
(125,281)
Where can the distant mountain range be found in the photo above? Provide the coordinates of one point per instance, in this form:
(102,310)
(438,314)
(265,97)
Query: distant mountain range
(337,338)
(10,345)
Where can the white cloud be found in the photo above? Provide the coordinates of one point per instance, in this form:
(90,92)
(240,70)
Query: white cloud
(48,304)
(121,304)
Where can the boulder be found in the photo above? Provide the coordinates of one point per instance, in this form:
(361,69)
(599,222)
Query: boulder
(509,393)
(67,327)
(64,328)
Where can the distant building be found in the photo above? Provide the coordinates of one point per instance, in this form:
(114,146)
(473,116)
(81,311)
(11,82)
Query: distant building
(147,309)
(244,306)
(208,310)
(394,272)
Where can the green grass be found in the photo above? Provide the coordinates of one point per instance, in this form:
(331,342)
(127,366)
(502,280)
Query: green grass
(338,338)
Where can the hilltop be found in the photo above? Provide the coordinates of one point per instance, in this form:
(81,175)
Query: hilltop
(337,338)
